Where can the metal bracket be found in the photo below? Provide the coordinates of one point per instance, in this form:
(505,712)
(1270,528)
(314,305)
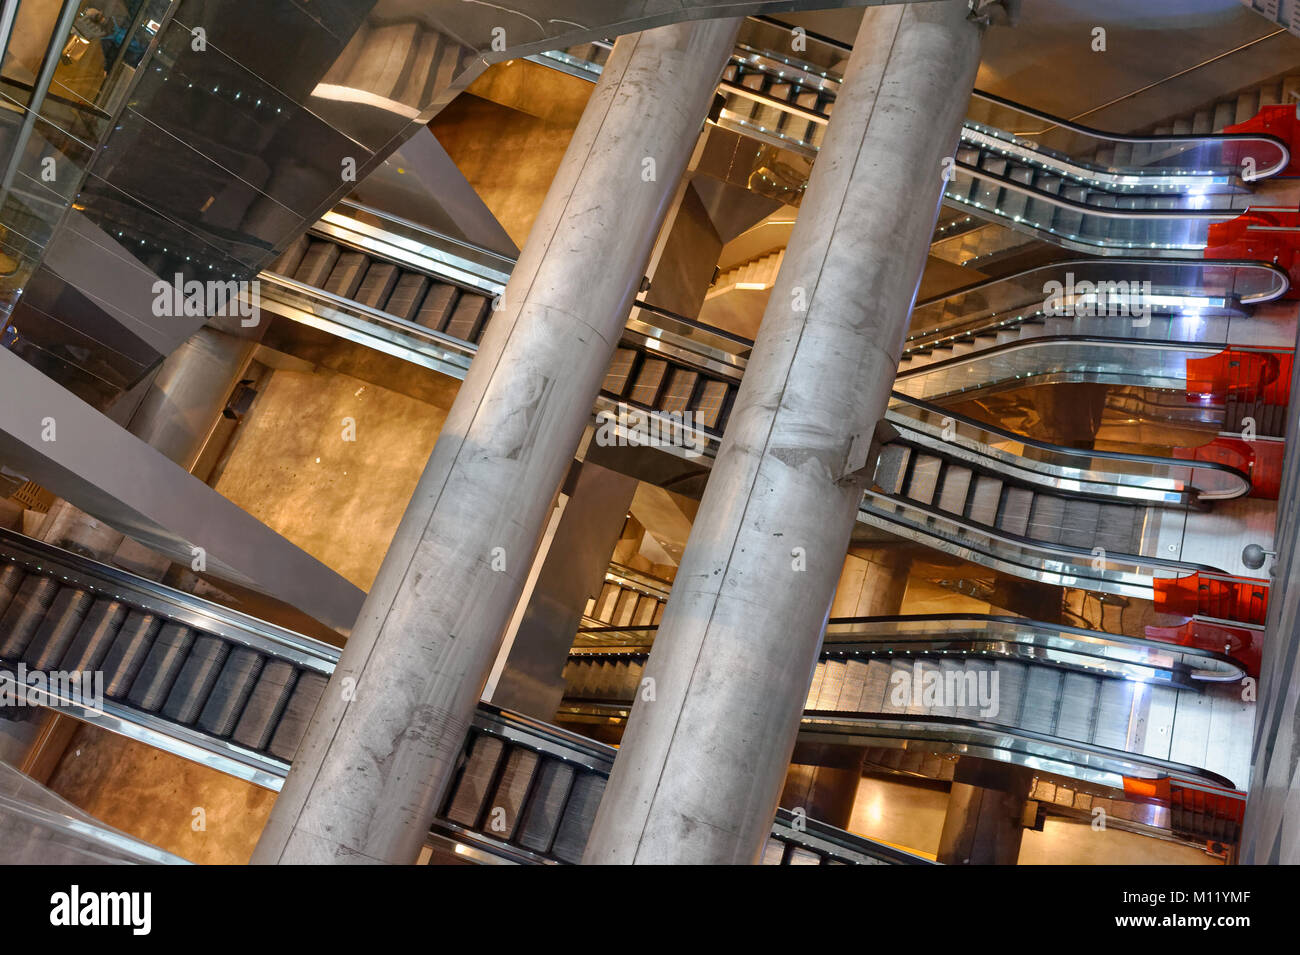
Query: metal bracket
(1001,12)
(864,452)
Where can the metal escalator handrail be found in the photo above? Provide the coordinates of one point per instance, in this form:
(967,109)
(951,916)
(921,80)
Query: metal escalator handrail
(1030,623)
(1076,452)
(693,323)
(848,841)
(178,605)
(380,317)
(1120,261)
(832,642)
(1168,767)
(1040,341)
(1094,133)
(1186,568)
(425,230)
(1101,212)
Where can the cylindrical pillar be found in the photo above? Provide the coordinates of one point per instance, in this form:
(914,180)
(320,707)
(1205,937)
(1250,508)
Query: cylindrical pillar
(383,743)
(985,822)
(701,766)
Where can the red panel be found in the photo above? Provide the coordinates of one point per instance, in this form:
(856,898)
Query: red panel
(1279,121)
(1260,459)
(1147,788)
(1246,375)
(1228,598)
(1243,645)
(1254,235)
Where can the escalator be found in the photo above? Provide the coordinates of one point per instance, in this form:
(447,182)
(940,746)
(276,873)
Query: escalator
(1028,174)
(1093,706)
(1106,521)
(1030,508)
(235,693)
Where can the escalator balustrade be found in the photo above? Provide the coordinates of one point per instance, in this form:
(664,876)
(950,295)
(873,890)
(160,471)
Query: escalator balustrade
(1107,702)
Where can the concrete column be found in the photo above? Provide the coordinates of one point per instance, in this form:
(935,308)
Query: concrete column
(384,741)
(984,823)
(701,767)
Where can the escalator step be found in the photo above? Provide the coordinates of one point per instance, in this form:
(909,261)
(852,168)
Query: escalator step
(1078,710)
(127,654)
(1045,518)
(25,613)
(924,479)
(1013,515)
(956,488)
(898,687)
(815,687)
(984,500)
(650,376)
(1011,692)
(875,687)
(708,407)
(95,637)
(58,628)
(579,814)
(923,703)
(546,805)
(291,258)
(645,611)
(293,725)
(1079,522)
(855,679)
(11,578)
(891,468)
(619,369)
(952,672)
(265,704)
(437,306)
(1119,528)
(1114,712)
(345,278)
(161,667)
(681,385)
(508,801)
(407,295)
(828,694)
(233,687)
(198,675)
(979,674)
(1041,689)
(773,852)
(469,801)
(317,264)
(377,285)
(468,317)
